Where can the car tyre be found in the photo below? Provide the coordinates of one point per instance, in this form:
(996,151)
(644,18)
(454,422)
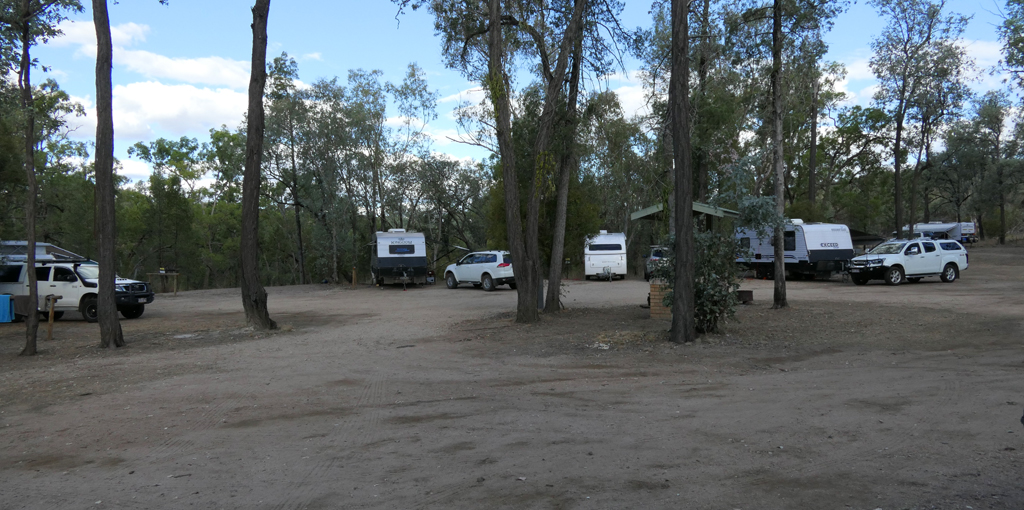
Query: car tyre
(132,311)
(512,286)
(89,310)
(450,281)
(487,283)
(894,275)
(859,280)
(949,273)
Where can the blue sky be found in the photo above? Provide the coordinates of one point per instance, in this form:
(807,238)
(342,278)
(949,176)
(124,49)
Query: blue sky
(182,69)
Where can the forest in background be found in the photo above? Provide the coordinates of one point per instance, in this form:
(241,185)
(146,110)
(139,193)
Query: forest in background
(337,167)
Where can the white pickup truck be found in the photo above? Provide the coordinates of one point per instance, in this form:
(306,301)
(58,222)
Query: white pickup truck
(76,283)
(899,259)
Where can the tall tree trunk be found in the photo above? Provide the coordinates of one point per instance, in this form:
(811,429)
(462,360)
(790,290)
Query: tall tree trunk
(897,178)
(295,199)
(497,86)
(566,171)
(779,298)
(28,110)
(812,166)
(683,323)
(254,296)
(106,231)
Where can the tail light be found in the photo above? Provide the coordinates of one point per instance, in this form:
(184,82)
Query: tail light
(504,264)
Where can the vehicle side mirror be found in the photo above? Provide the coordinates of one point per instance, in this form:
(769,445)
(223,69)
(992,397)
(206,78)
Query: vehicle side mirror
(914,251)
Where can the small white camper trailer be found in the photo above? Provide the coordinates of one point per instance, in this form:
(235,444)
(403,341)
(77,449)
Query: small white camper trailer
(605,256)
(398,256)
(813,250)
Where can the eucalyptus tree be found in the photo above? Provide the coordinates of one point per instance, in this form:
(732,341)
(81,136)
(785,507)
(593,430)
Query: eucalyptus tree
(991,113)
(254,296)
(793,25)
(286,112)
(24,23)
(904,58)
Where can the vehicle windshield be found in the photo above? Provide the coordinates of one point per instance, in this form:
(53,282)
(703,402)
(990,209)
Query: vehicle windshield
(89,272)
(887,249)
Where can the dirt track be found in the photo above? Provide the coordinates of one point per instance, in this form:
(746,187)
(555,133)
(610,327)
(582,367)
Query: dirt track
(855,397)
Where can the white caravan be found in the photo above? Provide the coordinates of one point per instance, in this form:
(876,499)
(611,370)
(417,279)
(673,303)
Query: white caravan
(811,250)
(605,256)
(398,256)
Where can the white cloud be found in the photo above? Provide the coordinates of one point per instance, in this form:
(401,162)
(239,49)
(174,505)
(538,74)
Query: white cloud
(134,170)
(859,69)
(83,34)
(214,71)
(146,110)
(312,56)
(986,54)
(472,95)
(140,109)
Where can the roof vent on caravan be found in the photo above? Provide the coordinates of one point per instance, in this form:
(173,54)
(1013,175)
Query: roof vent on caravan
(396,230)
(796,221)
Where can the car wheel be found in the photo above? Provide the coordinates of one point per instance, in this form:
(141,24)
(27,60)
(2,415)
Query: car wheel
(894,276)
(133,311)
(914,280)
(512,286)
(949,273)
(859,280)
(487,283)
(450,281)
(88,309)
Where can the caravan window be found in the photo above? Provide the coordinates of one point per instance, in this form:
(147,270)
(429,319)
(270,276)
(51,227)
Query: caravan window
(606,247)
(401,249)
(789,241)
(10,274)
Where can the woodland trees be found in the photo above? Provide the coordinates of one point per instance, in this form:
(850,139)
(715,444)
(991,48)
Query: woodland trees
(345,157)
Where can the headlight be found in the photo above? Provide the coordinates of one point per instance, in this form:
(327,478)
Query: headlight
(876,262)
(120,288)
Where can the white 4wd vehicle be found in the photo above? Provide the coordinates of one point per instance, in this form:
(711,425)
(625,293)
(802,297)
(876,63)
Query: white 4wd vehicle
(486,269)
(894,260)
(76,283)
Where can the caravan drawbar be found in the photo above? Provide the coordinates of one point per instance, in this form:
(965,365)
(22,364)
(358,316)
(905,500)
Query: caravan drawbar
(398,256)
(811,250)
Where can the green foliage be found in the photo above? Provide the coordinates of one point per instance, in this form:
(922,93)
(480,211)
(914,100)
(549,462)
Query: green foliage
(716,278)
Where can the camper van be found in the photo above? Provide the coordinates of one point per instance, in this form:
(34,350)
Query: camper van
(605,256)
(963,231)
(398,256)
(812,250)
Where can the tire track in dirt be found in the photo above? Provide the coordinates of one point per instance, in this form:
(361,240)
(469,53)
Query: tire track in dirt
(356,429)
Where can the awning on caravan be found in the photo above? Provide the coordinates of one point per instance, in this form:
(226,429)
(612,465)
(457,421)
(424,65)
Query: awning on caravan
(655,212)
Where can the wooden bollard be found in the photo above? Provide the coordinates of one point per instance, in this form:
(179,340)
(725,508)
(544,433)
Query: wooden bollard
(353,277)
(51,300)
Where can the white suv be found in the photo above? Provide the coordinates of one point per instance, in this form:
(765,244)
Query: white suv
(76,282)
(486,269)
(894,260)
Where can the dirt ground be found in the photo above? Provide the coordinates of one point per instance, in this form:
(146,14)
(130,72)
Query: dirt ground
(854,397)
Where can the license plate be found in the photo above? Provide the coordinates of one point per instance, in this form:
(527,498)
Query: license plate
(855,270)
(142,300)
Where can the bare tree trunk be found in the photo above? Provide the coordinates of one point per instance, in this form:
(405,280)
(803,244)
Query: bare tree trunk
(106,231)
(812,166)
(28,110)
(254,296)
(777,158)
(525,268)
(683,323)
(567,169)
(897,178)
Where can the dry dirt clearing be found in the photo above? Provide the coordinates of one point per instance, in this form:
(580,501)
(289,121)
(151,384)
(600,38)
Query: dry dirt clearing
(855,397)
